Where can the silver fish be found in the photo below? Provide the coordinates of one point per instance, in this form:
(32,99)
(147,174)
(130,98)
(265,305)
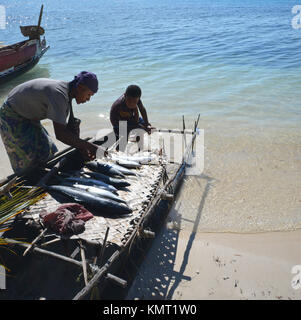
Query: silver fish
(136,159)
(95,190)
(112,167)
(100,204)
(92,182)
(126,163)
(116,182)
(122,169)
(104,168)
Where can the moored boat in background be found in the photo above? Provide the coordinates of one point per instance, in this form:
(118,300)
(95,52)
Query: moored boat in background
(20,57)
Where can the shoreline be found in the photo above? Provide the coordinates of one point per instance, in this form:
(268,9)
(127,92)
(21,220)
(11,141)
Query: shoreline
(183,265)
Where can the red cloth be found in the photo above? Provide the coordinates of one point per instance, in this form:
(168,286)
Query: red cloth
(68,219)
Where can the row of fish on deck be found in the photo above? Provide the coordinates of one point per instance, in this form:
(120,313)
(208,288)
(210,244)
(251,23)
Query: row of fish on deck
(97,183)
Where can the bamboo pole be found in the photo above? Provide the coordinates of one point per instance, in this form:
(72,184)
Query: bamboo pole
(54,170)
(186,131)
(51,161)
(184,127)
(50,242)
(35,241)
(93,282)
(121,282)
(75,252)
(103,246)
(45,252)
(197,121)
(84,262)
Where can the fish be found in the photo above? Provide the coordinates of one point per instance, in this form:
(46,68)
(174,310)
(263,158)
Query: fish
(95,190)
(124,170)
(92,182)
(104,168)
(126,163)
(140,159)
(100,204)
(117,183)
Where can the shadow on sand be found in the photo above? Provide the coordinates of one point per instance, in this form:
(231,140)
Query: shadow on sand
(157,278)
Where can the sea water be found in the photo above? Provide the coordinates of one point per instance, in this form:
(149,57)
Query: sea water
(235,62)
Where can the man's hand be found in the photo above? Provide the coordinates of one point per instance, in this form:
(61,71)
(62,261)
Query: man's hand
(101,152)
(88,150)
(149,128)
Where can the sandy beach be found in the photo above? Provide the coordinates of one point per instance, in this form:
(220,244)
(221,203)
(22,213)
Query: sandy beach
(183,265)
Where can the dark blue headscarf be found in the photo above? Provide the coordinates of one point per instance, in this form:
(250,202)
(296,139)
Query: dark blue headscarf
(86,78)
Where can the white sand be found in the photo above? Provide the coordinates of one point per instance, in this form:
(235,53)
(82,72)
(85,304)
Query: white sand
(182,265)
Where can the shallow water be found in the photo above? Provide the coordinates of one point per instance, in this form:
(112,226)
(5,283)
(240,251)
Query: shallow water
(236,63)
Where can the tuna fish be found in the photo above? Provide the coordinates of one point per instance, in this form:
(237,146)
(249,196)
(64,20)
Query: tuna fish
(92,182)
(103,193)
(126,163)
(140,159)
(118,183)
(124,170)
(100,204)
(104,168)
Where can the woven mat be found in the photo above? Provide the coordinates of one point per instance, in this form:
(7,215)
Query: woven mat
(141,191)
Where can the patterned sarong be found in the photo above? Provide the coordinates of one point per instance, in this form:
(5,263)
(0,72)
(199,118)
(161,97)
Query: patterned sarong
(27,142)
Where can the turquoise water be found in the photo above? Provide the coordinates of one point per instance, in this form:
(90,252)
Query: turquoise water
(237,59)
(237,63)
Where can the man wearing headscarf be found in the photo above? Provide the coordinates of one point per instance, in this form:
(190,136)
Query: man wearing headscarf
(26,141)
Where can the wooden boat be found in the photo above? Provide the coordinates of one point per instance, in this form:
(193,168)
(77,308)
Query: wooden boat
(20,57)
(83,266)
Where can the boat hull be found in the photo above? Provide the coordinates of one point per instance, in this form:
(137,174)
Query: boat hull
(16,62)
(17,54)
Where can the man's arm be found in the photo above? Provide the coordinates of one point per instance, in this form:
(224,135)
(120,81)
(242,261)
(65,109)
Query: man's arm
(114,113)
(143,113)
(87,149)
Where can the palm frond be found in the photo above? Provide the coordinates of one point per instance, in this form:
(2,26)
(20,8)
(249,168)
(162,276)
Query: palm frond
(21,199)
